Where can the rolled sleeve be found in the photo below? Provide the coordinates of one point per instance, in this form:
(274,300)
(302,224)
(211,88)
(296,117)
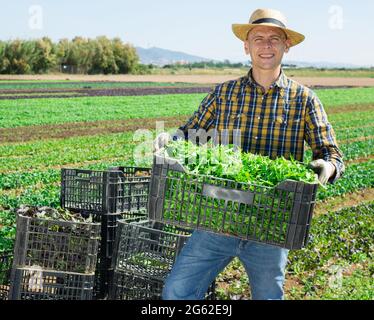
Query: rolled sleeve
(321,138)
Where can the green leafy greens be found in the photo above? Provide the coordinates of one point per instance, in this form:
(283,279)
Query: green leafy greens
(229,162)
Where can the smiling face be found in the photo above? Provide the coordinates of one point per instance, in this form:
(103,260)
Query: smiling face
(266,46)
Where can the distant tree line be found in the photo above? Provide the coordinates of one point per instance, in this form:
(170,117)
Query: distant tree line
(80,55)
(207,65)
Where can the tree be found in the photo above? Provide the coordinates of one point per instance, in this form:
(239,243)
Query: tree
(125,56)
(43,57)
(16,57)
(93,56)
(103,60)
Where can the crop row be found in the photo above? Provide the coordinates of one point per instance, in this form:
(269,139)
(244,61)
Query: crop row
(344,134)
(351,150)
(334,266)
(357,176)
(22,112)
(45,111)
(22,179)
(337,263)
(48,153)
(347,234)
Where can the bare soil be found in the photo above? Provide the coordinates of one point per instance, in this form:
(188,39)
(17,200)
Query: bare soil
(345,201)
(61,93)
(75,129)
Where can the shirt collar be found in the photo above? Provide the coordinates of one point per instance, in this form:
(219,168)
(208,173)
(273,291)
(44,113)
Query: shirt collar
(281,82)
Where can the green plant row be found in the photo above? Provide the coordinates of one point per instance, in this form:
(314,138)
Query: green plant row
(44,111)
(48,195)
(7,230)
(356,177)
(351,150)
(21,179)
(343,134)
(346,234)
(38,175)
(27,112)
(336,264)
(47,153)
(39,155)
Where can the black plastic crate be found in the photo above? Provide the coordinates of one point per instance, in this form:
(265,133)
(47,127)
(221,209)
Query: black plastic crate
(278,216)
(147,248)
(117,190)
(128,286)
(104,272)
(109,224)
(56,245)
(38,284)
(6,261)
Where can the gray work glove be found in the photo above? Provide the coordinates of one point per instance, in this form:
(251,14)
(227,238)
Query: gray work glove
(161,141)
(324,169)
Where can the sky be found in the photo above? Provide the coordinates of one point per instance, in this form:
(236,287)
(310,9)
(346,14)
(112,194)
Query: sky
(340,31)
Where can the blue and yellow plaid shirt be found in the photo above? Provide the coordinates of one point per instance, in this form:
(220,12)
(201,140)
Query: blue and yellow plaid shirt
(274,123)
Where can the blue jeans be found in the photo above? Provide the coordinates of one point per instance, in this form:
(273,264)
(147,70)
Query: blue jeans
(206,254)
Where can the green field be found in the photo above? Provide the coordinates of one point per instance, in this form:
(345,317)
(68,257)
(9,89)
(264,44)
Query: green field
(26,112)
(30,174)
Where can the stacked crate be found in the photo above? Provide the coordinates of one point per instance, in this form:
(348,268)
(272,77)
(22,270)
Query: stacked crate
(54,259)
(145,252)
(107,196)
(6,260)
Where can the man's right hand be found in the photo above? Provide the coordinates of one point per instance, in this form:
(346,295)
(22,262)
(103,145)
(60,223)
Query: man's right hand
(161,141)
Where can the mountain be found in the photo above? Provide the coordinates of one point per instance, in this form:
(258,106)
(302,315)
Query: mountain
(161,57)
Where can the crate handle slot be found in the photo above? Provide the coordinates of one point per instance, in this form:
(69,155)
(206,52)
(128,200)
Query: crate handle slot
(220,193)
(81,179)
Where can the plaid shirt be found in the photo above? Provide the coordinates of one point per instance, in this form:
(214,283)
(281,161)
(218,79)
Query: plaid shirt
(274,123)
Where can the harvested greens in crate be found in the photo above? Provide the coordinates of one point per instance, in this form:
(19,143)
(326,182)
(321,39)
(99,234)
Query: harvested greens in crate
(223,190)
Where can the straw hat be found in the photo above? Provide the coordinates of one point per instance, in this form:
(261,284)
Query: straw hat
(267,17)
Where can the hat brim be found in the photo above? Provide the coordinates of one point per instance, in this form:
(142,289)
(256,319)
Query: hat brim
(241,31)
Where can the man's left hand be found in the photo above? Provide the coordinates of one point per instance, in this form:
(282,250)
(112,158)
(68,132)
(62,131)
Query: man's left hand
(324,169)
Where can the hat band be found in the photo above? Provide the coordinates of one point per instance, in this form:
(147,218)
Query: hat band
(269,20)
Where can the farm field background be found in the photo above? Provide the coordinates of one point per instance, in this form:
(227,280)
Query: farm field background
(39,135)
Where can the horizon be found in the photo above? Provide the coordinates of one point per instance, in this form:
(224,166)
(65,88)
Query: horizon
(337,38)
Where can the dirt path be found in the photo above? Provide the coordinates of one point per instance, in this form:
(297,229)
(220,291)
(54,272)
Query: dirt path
(45,93)
(204,79)
(75,129)
(345,201)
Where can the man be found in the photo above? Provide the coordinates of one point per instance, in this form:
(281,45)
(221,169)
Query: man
(271,115)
